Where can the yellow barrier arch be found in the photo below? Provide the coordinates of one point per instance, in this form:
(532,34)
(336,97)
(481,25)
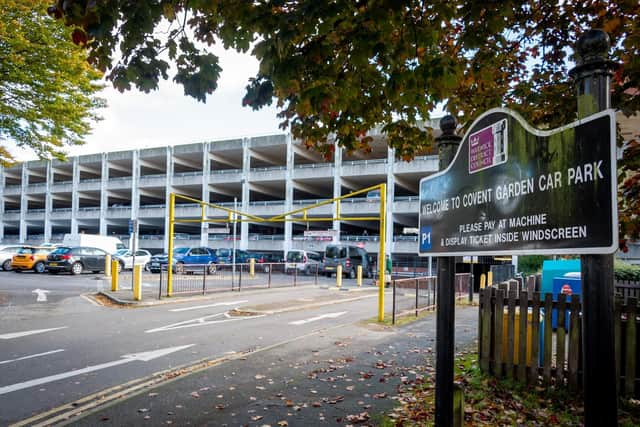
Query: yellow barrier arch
(296,215)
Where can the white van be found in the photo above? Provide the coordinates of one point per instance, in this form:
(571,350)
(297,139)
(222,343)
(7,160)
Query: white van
(109,244)
(305,262)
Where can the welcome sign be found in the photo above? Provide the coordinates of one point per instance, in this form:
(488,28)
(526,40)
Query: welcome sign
(512,189)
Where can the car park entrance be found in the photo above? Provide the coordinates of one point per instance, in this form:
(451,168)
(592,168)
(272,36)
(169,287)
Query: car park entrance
(211,214)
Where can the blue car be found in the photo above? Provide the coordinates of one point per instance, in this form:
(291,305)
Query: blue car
(194,259)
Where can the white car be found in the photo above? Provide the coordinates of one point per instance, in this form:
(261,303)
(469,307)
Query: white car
(125,259)
(6,253)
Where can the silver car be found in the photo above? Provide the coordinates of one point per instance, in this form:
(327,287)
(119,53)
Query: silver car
(125,259)
(6,253)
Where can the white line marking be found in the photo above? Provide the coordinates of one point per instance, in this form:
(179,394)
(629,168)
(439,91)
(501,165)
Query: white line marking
(144,357)
(197,307)
(313,319)
(201,321)
(26,333)
(42,294)
(2,362)
(91,300)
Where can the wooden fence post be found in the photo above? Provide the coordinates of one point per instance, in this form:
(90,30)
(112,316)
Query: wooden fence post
(630,344)
(523,343)
(548,338)
(560,340)
(498,332)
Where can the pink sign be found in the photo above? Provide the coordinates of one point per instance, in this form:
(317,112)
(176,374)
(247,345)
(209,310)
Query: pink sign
(481,149)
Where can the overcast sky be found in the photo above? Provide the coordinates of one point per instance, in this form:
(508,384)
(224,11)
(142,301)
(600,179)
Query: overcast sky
(167,117)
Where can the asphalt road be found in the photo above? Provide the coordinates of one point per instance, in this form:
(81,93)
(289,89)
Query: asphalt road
(58,346)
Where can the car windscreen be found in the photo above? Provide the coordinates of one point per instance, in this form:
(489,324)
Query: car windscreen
(61,251)
(181,251)
(335,252)
(294,256)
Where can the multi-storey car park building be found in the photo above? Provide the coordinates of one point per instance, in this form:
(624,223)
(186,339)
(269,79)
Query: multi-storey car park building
(269,175)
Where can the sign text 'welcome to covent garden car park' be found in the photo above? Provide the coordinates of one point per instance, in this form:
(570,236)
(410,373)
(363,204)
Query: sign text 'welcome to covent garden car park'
(512,189)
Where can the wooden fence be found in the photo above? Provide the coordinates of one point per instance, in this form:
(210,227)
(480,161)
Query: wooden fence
(545,344)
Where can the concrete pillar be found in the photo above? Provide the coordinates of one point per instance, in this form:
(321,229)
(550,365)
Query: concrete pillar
(135,195)
(288,194)
(104,193)
(391,181)
(169,189)
(48,202)
(75,200)
(246,178)
(2,185)
(337,187)
(206,166)
(24,203)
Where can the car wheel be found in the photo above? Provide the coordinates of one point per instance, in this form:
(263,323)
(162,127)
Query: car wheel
(120,266)
(211,268)
(147,267)
(6,266)
(307,271)
(266,268)
(180,268)
(352,274)
(76,268)
(39,267)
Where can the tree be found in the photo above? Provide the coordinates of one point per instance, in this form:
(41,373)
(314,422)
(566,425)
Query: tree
(338,69)
(47,87)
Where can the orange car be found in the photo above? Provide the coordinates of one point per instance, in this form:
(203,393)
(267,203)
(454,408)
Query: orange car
(30,258)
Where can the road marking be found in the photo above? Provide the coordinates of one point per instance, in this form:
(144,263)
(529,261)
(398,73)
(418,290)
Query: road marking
(127,358)
(197,307)
(30,356)
(313,319)
(42,294)
(26,333)
(201,321)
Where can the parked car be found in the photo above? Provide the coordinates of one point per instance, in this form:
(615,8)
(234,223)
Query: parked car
(158,262)
(30,258)
(264,261)
(125,259)
(76,259)
(305,262)
(109,244)
(225,256)
(350,257)
(194,259)
(6,253)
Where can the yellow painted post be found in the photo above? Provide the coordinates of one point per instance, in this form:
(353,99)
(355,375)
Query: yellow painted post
(107,266)
(172,205)
(490,278)
(114,275)
(252,267)
(382,254)
(359,276)
(137,282)
(339,276)
(483,281)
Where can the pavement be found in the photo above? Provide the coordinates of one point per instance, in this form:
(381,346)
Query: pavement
(347,374)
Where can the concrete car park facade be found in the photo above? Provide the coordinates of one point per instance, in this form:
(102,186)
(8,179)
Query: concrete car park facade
(264,176)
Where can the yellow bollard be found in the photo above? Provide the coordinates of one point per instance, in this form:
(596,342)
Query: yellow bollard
(490,278)
(114,276)
(137,282)
(107,266)
(483,281)
(359,276)
(252,267)
(339,276)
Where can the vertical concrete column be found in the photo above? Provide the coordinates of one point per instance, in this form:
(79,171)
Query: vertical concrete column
(337,187)
(48,202)
(104,193)
(391,190)
(135,194)
(75,200)
(2,184)
(288,194)
(24,202)
(246,185)
(168,190)
(206,172)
